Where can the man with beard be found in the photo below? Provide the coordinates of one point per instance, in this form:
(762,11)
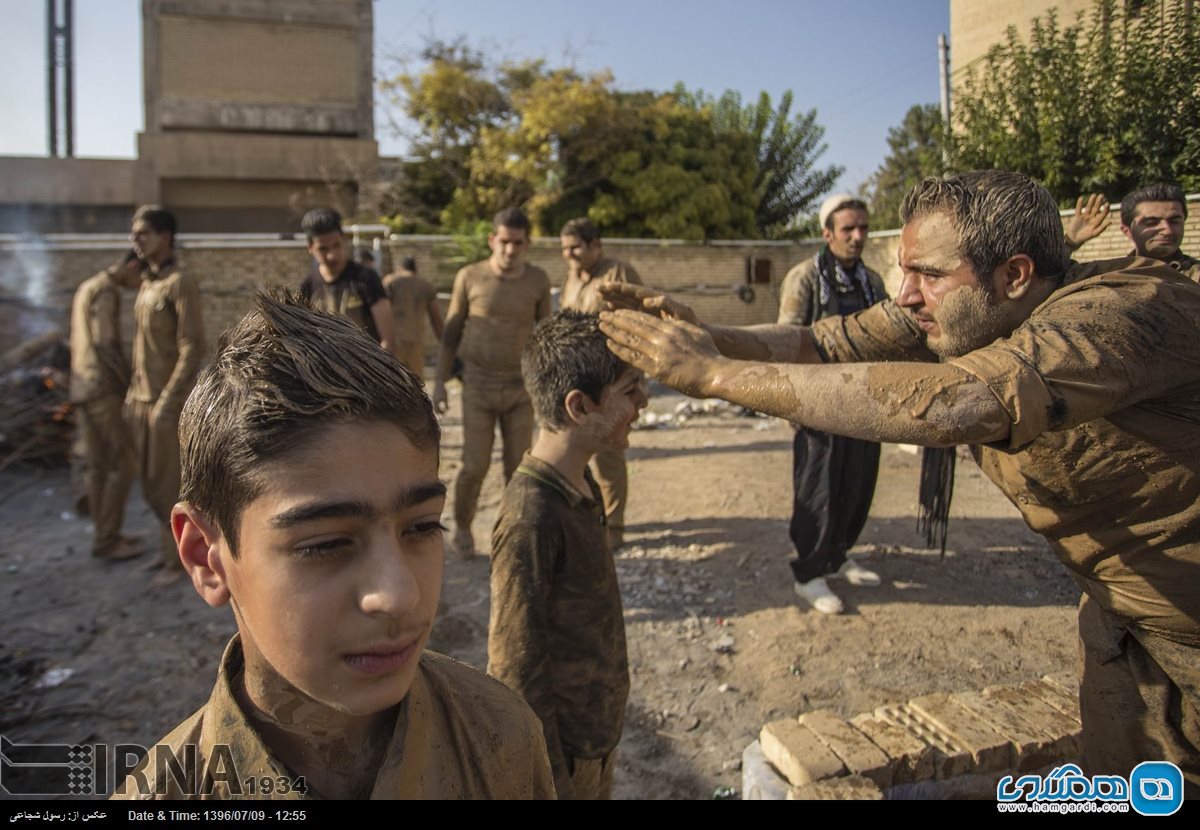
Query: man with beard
(833,477)
(1078,390)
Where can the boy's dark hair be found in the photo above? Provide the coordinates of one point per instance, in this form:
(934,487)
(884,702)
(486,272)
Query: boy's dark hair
(1151,193)
(320,221)
(582,228)
(158,218)
(566,351)
(514,218)
(281,375)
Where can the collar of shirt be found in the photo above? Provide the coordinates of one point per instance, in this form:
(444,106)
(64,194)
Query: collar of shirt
(347,272)
(163,269)
(541,471)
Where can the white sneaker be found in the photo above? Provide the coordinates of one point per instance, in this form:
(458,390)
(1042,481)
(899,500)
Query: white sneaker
(817,594)
(856,574)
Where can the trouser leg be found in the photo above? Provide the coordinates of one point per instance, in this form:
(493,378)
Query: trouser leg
(479,428)
(516,429)
(109,469)
(811,528)
(1130,709)
(592,779)
(609,470)
(852,488)
(412,355)
(157,450)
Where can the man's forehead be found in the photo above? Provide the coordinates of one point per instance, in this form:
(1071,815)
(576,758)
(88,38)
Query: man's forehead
(509,234)
(1157,210)
(930,240)
(850,216)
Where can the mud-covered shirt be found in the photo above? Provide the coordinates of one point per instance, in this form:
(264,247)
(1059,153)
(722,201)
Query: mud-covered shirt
(351,295)
(581,290)
(500,312)
(557,630)
(458,735)
(99,367)
(1101,385)
(1187,265)
(410,297)
(168,344)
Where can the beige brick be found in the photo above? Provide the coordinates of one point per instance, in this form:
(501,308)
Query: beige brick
(949,759)
(1055,695)
(990,751)
(797,753)
(1033,745)
(1043,716)
(854,748)
(911,757)
(850,788)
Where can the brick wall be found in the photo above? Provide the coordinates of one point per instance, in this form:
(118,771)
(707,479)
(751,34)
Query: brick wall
(38,278)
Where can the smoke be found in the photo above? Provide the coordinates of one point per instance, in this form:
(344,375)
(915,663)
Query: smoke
(26,277)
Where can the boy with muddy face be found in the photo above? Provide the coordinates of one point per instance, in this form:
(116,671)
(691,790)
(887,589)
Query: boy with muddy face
(311,505)
(1078,388)
(557,632)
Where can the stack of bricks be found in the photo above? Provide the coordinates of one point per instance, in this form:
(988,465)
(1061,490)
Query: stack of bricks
(933,738)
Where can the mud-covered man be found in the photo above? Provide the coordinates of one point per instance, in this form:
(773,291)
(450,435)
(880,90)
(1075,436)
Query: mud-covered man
(833,477)
(1078,389)
(413,299)
(494,305)
(99,381)
(168,348)
(588,267)
(340,285)
(1152,219)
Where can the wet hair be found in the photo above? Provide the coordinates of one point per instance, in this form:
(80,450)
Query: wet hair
(855,204)
(408,264)
(566,351)
(582,228)
(158,218)
(282,375)
(320,221)
(514,218)
(996,215)
(1151,193)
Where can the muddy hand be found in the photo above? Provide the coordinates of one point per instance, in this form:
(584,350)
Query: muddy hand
(650,300)
(676,353)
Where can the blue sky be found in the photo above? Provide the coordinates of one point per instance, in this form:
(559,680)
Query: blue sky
(861,64)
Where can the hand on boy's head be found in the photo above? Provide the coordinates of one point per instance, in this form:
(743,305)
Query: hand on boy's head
(620,295)
(679,354)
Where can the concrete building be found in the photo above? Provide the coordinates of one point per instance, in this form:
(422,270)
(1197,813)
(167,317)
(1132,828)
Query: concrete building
(255,110)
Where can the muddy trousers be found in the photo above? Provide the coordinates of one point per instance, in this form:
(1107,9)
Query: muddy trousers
(834,482)
(483,408)
(608,468)
(1131,710)
(412,355)
(592,779)
(157,451)
(108,468)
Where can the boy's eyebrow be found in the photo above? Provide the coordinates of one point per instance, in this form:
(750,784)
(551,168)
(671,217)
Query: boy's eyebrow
(353,509)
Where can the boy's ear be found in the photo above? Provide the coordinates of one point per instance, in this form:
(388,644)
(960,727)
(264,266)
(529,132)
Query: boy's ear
(200,551)
(577,405)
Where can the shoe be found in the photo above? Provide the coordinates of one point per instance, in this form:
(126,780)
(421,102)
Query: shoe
(463,543)
(817,594)
(123,549)
(856,574)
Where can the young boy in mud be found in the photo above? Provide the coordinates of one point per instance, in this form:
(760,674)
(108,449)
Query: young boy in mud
(311,504)
(557,632)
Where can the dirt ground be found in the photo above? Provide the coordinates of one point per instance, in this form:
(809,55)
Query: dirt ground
(717,642)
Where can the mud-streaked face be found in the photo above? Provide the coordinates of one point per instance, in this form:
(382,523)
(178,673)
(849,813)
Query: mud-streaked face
(1157,229)
(611,420)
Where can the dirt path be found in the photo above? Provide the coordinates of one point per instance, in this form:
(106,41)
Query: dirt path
(717,642)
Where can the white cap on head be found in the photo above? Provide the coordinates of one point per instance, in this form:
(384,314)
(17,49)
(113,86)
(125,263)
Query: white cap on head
(832,204)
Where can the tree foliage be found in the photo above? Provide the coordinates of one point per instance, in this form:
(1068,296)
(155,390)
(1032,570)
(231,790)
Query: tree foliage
(562,144)
(1105,104)
(914,152)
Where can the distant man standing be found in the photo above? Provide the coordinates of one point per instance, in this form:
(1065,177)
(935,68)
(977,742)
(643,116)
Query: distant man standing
(833,476)
(494,306)
(413,299)
(1152,219)
(587,269)
(99,381)
(339,285)
(168,347)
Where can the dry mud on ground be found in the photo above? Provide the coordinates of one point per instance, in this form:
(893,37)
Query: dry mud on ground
(717,642)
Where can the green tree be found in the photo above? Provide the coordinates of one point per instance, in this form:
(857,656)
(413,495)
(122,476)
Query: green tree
(787,148)
(914,152)
(1105,104)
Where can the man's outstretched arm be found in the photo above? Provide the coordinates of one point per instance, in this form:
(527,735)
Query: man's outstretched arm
(934,405)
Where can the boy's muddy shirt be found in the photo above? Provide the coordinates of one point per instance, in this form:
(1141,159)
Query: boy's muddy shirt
(351,295)
(557,630)
(501,312)
(410,296)
(98,365)
(168,343)
(458,735)
(1102,388)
